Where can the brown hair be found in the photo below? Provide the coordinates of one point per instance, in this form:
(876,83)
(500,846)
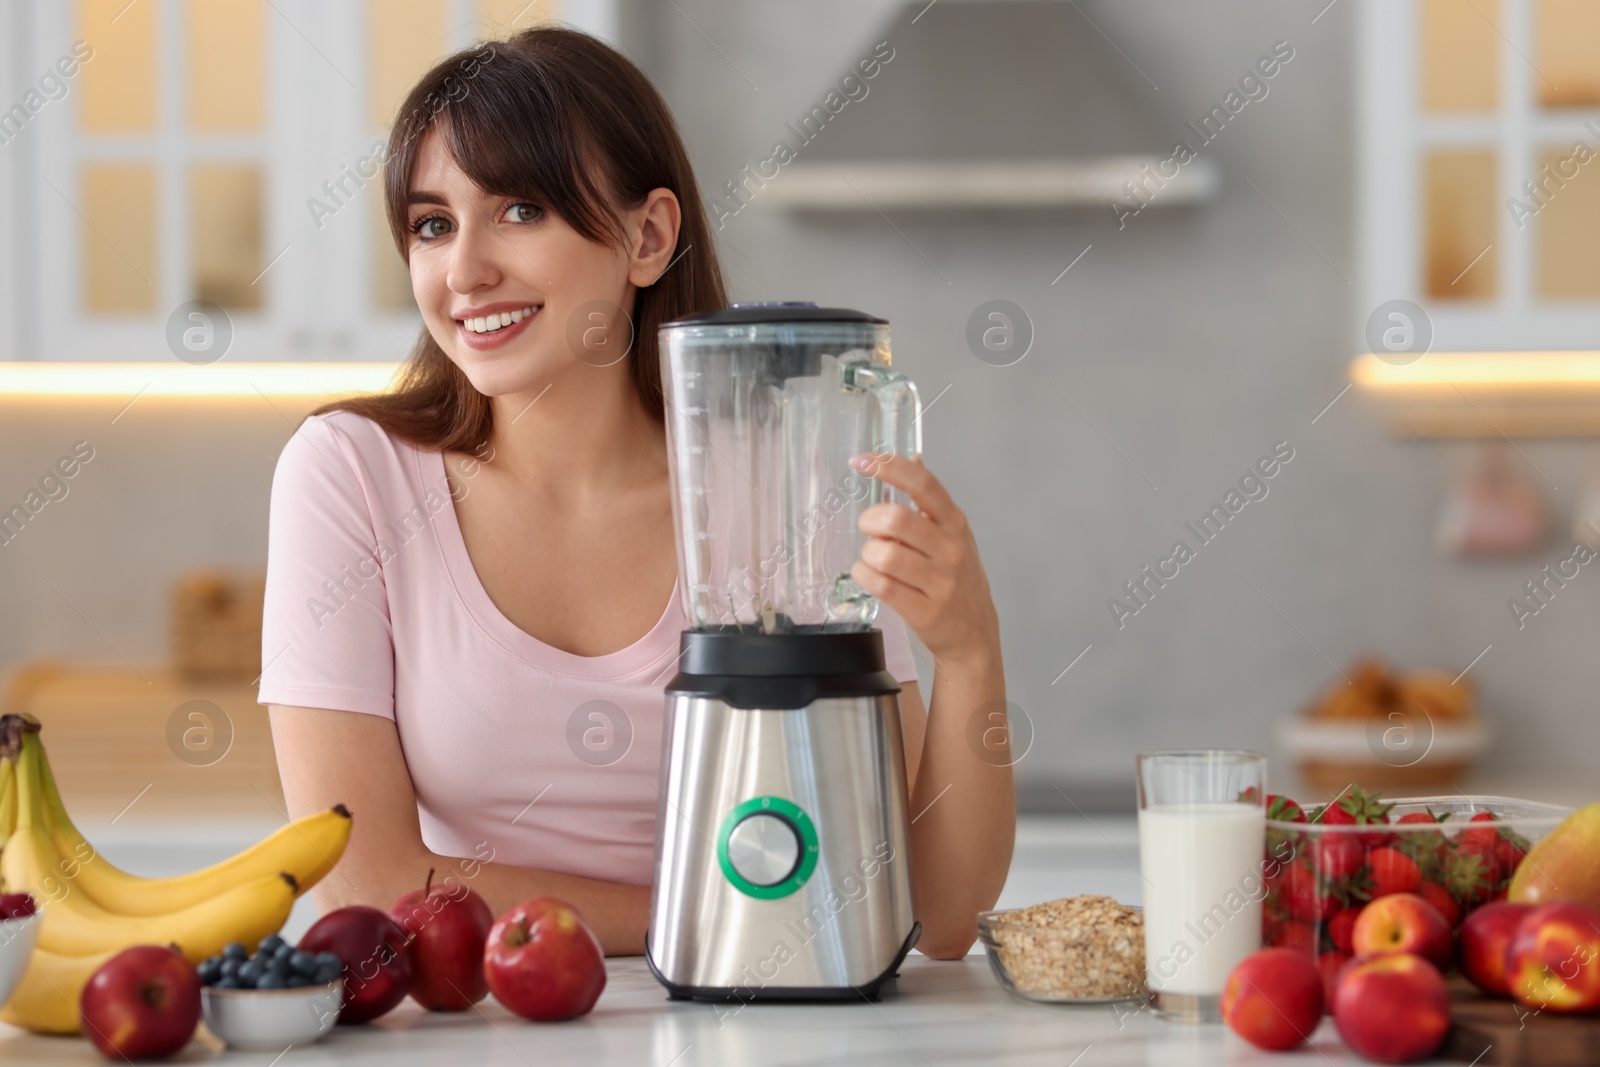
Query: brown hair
(588,131)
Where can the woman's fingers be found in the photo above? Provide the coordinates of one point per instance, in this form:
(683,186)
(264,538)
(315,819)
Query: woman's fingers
(910,475)
(896,522)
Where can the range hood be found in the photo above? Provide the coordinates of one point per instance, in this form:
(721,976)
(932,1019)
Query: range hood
(999,104)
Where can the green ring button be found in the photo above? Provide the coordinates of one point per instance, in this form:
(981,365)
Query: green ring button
(797,820)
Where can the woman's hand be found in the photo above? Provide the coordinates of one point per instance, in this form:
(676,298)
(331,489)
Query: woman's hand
(924,563)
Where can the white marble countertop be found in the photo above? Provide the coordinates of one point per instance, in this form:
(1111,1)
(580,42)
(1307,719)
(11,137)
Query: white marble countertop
(939,1013)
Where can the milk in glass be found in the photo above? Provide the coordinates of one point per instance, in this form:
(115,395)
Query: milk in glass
(1201,867)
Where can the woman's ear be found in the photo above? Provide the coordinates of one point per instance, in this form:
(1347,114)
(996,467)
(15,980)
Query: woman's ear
(655,235)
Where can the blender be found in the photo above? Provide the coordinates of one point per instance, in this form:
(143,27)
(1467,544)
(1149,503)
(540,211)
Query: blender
(782,868)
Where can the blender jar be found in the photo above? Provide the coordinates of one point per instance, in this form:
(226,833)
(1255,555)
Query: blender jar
(765,405)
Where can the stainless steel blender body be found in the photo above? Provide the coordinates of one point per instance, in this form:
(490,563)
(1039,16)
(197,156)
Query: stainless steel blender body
(774,879)
(782,840)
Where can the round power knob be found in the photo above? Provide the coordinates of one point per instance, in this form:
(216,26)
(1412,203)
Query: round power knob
(764,848)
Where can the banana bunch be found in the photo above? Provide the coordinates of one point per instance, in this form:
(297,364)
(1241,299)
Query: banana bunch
(92,910)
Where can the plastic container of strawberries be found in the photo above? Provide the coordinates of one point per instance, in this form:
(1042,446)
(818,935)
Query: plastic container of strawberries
(1457,852)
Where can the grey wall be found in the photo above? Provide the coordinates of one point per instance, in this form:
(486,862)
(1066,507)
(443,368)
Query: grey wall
(1193,339)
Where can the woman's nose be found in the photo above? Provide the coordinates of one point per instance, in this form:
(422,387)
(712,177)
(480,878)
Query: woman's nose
(473,257)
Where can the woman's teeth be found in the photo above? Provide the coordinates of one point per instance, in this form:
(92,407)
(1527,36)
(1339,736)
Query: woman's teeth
(491,323)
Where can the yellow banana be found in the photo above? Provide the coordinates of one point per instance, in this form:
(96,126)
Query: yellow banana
(8,798)
(306,850)
(46,1001)
(74,925)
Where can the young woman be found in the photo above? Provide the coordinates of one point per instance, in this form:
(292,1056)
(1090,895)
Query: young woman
(473,576)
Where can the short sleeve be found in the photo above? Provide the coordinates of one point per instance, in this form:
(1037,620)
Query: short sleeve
(326,639)
(897,654)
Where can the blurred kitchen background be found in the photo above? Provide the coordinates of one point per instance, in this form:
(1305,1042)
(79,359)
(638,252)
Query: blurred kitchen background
(1108,332)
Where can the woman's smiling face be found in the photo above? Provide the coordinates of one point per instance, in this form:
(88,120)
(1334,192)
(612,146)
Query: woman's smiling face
(481,260)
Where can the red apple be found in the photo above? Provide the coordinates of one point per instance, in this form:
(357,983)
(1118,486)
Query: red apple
(1485,936)
(449,926)
(543,962)
(142,1003)
(1402,922)
(1392,1008)
(17,905)
(377,960)
(1329,964)
(1553,960)
(1273,999)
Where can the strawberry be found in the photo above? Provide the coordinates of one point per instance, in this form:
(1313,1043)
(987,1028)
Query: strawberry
(1282,809)
(1329,964)
(1426,848)
(1357,807)
(1477,836)
(1302,937)
(1471,876)
(1305,898)
(1507,855)
(1392,871)
(1337,855)
(1341,926)
(1443,902)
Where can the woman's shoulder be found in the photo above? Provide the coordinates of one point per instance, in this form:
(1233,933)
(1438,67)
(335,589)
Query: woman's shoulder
(347,452)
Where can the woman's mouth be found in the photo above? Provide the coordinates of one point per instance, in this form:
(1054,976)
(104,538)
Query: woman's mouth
(491,331)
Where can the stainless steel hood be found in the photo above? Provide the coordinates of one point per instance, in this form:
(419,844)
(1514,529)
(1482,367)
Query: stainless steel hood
(993,104)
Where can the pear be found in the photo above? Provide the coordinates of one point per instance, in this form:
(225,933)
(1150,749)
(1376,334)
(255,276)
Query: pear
(1563,866)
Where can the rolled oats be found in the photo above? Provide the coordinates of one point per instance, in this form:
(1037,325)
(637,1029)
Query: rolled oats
(1087,946)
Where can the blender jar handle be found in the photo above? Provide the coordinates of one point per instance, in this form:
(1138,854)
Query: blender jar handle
(900,411)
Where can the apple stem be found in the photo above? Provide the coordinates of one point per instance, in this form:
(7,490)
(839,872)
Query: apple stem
(426,886)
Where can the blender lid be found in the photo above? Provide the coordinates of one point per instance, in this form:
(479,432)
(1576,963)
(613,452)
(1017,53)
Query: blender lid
(773,311)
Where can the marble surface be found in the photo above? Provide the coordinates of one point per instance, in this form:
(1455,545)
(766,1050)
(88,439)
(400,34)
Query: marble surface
(939,1013)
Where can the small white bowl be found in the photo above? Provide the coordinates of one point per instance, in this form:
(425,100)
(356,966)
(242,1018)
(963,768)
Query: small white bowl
(17,938)
(272,1018)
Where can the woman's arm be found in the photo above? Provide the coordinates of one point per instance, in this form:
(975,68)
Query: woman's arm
(337,757)
(924,564)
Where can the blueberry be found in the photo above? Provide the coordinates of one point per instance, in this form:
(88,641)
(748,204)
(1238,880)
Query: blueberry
(269,944)
(329,959)
(271,981)
(229,968)
(284,952)
(229,983)
(303,963)
(297,980)
(250,971)
(326,973)
(210,970)
(279,967)
(235,951)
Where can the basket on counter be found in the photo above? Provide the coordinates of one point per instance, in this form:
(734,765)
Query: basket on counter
(216,624)
(1416,731)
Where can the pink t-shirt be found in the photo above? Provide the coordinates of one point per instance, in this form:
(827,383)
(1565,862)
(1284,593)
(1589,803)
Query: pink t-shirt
(547,758)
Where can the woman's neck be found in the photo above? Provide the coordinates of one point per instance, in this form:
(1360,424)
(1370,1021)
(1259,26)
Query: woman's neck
(580,435)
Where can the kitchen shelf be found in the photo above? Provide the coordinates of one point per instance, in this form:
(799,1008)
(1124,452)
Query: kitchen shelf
(1023,183)
(1452,395)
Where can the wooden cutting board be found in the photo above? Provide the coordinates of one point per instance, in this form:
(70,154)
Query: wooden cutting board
(1488,1031)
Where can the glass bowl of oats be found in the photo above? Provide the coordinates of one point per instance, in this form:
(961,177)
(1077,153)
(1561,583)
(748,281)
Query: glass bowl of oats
(1077,950)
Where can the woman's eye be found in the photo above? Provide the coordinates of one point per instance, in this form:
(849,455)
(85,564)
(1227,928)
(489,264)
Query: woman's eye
(423,227)
(525,212)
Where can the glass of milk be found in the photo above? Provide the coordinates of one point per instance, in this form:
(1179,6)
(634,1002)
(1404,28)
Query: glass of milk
(1202,832)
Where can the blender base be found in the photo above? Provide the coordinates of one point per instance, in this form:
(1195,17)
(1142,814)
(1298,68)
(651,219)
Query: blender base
(778,994)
